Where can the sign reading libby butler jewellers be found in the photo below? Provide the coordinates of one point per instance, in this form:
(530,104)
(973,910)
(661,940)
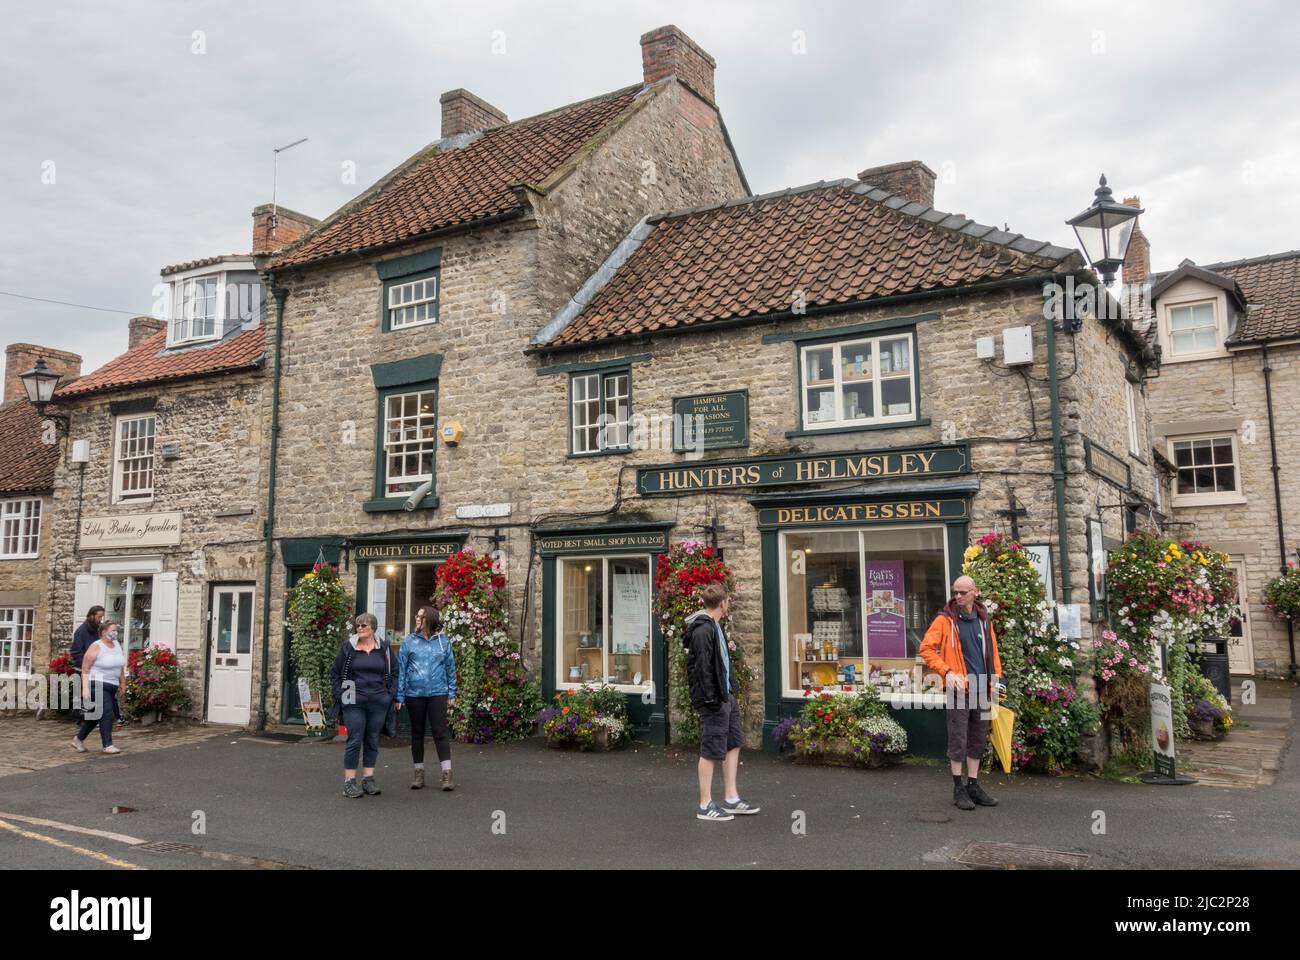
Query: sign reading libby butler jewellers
(884,511)
(805,468)
(139,530)
(711,421)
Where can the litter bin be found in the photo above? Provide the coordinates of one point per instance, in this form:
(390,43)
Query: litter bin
(1215,667)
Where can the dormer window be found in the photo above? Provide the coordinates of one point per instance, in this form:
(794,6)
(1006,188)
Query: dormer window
(1193,329)
(208,306)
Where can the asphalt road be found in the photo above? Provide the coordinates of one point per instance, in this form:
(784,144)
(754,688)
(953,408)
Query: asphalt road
(277,805)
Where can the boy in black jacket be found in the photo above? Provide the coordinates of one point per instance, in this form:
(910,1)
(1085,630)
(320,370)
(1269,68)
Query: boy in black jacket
(713,689)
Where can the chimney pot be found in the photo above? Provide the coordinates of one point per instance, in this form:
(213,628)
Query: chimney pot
(462,112)
(668,52)
(1137,261)
(21,357)
(141,329)
(911,179)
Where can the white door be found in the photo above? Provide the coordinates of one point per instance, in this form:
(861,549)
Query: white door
(230,663)
(1241,653)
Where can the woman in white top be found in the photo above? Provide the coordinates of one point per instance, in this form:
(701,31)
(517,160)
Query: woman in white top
(103,673)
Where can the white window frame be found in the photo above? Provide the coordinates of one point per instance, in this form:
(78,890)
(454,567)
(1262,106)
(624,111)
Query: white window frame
(838,347)
(180,330)
(422,293)
(1225,497)
(1134,435)
(141,494)
(611,419)
(12,622)
(562,682)
(20,528)
(911,698)
(1168,327)
(418,435)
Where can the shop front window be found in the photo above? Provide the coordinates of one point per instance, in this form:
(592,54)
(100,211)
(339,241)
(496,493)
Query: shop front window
(857,604)
(397,592)
(604,629)
(129,603)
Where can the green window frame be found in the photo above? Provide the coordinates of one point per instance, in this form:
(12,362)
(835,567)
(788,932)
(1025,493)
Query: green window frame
(600,410)
(408,430)
(410,291)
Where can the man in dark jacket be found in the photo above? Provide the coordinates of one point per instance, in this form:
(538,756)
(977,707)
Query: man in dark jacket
(87,633)
(713,688)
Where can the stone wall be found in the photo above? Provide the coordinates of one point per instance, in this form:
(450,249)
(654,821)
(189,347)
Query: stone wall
(219,424)
(1227,396)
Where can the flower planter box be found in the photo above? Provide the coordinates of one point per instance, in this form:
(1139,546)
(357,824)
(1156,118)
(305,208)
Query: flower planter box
(1205,730)
(601,742)
(839,753)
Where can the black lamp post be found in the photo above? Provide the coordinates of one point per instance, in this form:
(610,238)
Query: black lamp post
(39,382)
(1104,230)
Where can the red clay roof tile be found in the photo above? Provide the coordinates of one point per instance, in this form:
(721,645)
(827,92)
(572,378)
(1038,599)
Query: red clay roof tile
(26,463)
(151,362)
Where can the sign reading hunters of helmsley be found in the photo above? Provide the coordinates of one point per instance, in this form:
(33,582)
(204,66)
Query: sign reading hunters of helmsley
(897,463)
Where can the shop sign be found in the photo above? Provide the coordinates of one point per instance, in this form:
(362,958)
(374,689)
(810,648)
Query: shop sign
(654,541)
(189,616)
(1162,731)
(805,468)
(1105,464)
(888,511)
(1040,554)
(138,530)
(722,420)
(418,550)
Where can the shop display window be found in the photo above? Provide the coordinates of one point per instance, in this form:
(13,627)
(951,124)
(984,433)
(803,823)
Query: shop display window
(128,602)
(604,622)
(397,592)
(857,604)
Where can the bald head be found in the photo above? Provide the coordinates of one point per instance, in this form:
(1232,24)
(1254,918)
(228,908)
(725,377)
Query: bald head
(964,589)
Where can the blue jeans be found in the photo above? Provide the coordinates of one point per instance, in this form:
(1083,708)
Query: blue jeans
(364,721)
(103,698)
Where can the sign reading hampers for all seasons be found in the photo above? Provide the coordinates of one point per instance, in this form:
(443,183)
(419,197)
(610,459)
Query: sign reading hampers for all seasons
(711,421)
(933,461)
(136,530)
(885,609)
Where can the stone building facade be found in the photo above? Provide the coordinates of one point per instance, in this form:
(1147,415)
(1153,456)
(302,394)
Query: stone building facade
(28,456)
(1221,409)
(511,220)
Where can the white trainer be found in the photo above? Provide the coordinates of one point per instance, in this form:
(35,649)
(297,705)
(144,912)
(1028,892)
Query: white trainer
(111,749)
(78,745)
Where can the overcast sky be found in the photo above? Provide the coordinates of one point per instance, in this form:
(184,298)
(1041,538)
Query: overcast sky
(159,140)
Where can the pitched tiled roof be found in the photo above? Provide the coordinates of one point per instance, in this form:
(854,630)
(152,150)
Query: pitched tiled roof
(1272,288)
(460,180)
(151,362)
(26,464)
(205,262)
(838,242)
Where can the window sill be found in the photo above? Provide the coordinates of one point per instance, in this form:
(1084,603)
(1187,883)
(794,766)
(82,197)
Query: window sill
(393,504)
(611,452)
(411,326)
(19,556)
(1232,500)
(892,425)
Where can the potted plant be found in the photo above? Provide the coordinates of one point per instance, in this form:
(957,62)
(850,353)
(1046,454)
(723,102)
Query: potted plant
(1208,714)
(843,729)
(1282,594)
(154,684)
(61,690)
(319,609)
(590,717)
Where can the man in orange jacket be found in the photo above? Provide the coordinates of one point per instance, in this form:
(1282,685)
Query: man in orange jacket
(962,648)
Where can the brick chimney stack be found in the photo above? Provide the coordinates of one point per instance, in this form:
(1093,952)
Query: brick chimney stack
(141,329)
(910,179)
(462,112)
(1137,261)
(21,357)
(667,52)
(273,231)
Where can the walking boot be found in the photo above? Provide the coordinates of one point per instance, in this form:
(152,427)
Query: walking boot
(351,790)
(961,799)
(417,782)
(368,787)
(446,781)
(977,794)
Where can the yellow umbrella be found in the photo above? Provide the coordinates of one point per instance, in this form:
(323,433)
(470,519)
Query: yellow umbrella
(1004,720)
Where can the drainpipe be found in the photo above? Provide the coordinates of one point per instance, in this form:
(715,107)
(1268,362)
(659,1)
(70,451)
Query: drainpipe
(1277,494)
(1058,459)
(281,294)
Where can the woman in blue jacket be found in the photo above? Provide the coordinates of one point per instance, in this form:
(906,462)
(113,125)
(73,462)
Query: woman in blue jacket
(426,685)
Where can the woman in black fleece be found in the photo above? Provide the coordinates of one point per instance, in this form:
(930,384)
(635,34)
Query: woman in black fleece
(364,678)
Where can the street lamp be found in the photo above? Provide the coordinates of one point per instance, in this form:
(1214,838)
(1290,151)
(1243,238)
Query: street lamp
(39,382)
(1104,230)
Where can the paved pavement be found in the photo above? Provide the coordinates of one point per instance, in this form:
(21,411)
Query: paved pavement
(276,805)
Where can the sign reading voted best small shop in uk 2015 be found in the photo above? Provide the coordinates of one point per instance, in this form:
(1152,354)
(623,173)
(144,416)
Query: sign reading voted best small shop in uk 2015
(805,468)
(711,421)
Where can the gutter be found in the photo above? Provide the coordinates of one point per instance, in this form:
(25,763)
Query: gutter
(1277,494)
(281,295)
(1058,464)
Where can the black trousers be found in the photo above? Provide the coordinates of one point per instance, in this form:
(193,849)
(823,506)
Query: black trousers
(433,710)
(103,699)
